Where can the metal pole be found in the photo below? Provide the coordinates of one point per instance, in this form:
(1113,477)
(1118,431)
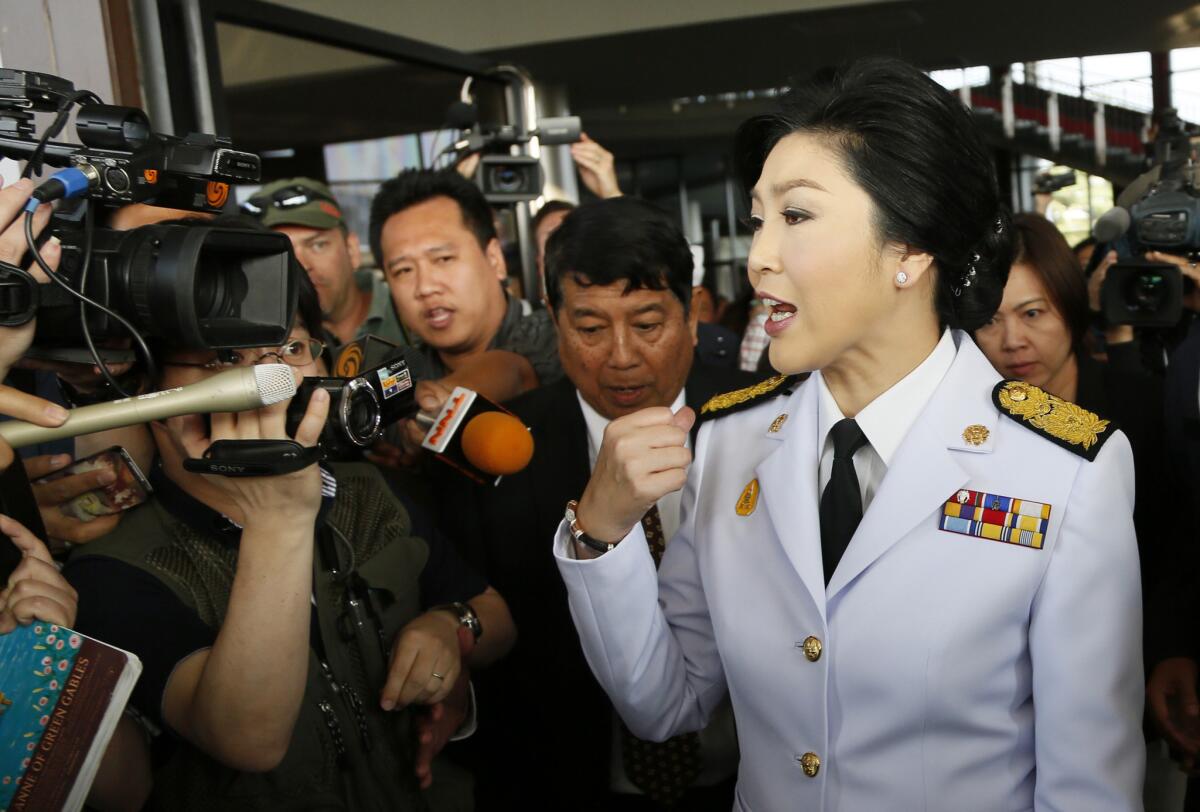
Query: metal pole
(198,63)
(153,64)
(521,100)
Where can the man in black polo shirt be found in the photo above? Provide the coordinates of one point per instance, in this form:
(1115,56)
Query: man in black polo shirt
(433,236)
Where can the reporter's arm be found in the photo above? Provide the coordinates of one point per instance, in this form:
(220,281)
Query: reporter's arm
(498,375)
(216,698)
(499,631)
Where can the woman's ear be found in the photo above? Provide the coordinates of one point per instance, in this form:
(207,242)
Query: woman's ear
(913,263)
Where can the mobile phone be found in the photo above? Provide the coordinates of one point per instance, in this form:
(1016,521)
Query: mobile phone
(130,488)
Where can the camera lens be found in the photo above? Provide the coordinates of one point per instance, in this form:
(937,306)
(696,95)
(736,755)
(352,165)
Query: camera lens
(1145,292)
(359,412)
(506,179)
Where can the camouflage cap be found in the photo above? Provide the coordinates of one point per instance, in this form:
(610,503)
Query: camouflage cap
(295,202)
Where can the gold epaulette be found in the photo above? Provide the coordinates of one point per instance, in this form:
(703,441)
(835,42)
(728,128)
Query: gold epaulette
(742,398)
(1060,421)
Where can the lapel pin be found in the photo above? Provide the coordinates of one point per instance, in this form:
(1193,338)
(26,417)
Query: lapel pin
(749,499)
(777,423)
(975,434)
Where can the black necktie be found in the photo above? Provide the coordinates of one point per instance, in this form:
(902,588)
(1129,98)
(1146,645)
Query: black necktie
(841,503)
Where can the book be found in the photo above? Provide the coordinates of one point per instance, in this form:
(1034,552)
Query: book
(61,696)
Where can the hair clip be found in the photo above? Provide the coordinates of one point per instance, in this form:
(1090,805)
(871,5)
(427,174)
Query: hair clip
(999,223)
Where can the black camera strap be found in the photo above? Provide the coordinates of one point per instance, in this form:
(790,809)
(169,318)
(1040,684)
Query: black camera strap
(240,458)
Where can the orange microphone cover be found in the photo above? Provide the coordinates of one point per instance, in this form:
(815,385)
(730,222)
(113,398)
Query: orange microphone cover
(497,443)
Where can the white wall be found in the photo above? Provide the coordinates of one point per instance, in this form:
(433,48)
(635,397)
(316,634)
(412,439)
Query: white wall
(66,38)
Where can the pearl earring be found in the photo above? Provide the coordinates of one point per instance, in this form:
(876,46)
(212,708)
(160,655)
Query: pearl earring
(901,278)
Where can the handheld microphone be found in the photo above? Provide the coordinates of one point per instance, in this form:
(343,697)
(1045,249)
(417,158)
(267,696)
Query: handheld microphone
(1112,225)
(235,390)
(479,438)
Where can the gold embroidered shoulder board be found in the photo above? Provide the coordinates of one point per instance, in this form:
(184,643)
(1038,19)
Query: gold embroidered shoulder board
(743,398)
(1060,421)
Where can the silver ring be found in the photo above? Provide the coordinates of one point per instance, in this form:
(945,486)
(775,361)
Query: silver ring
(436,675)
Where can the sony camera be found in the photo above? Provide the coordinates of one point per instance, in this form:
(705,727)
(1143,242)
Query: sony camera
(361,407)
(194,287)
(503,177)
(1165,218)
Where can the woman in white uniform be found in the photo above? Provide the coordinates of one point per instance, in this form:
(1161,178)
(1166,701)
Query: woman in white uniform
(917,582)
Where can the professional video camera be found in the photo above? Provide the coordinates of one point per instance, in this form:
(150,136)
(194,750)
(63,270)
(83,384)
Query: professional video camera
(1166,217)
(506,178)
(195,287)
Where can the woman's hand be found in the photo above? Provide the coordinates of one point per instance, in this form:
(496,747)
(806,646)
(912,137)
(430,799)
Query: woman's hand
(643,458)
(36,589)
(291,498)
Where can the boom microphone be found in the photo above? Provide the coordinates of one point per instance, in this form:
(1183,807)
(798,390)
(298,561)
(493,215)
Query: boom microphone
(235,390)
(1111,225)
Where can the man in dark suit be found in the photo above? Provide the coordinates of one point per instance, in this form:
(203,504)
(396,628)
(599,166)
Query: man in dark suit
(618,283)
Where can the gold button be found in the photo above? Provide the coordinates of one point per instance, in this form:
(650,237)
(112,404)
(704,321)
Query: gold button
(811,764)
(812,648)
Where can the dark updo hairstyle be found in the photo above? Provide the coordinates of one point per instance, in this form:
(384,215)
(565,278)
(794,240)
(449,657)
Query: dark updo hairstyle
(912,146)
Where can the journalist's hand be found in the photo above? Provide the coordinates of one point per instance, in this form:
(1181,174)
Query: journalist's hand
(36,589)
(438,723)
(596,167)
(1185,266)
(428,645)
(14,341)
(644,457)
(290,499)
(431,396)
(1096,281)
(1171,692)
(52,495)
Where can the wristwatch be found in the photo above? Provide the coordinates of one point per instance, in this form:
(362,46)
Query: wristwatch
(466,616)
(582,537)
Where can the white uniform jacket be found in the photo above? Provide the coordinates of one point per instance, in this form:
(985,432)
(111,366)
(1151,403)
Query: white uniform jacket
(953,673)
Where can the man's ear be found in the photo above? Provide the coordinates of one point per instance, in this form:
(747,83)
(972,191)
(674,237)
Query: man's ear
(495,258)
(693,314)
(354,249)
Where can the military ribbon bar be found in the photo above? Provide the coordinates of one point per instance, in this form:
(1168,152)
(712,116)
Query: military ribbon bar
(995,517)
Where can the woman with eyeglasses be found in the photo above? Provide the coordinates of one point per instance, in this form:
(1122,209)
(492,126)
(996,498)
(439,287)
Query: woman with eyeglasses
(917,582)
(304,636)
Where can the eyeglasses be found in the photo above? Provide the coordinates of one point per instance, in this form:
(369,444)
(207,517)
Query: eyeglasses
(298,353)
(289,197)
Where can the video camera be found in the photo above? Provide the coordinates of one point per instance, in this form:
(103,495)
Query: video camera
(506,178)
(1166,217)
(194,286)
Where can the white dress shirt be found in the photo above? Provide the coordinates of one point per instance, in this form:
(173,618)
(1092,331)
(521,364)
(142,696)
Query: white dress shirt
(885,421)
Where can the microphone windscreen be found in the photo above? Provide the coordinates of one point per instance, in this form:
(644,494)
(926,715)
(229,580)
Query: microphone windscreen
(1112,224)
(497,443)
(275,382)
(462,116)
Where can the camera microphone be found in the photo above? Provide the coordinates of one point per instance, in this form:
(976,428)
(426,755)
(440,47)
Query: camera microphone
(235,390)
(1111,225)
